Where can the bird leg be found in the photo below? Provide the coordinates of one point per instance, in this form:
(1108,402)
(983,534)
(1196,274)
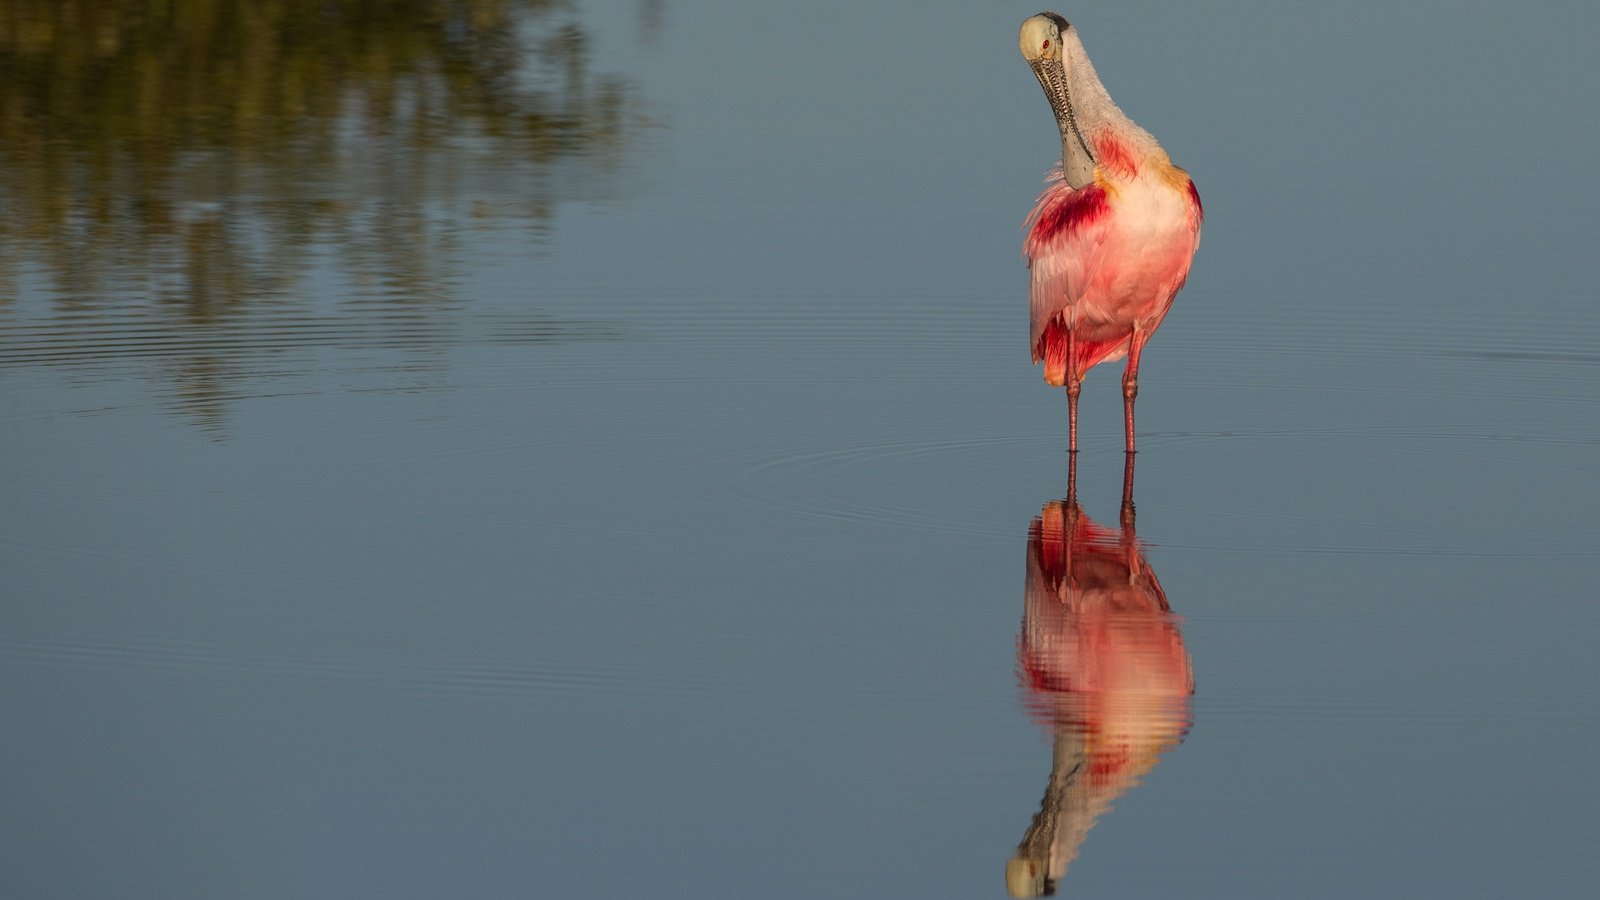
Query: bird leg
(1127,492)
(1072,479)
(1074,388)
(1130,384)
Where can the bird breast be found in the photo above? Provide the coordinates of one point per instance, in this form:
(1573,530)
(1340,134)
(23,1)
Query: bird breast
(1115,251)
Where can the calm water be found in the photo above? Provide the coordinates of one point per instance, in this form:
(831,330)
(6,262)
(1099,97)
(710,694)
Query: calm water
(492,449)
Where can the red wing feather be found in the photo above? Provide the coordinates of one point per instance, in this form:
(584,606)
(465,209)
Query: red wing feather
(1067,234)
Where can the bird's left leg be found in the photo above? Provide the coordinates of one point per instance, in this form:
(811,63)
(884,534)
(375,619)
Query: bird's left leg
(1130,382)
(1130,539)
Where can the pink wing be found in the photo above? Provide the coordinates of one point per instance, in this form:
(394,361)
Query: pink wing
(1066,247)
(1067,234)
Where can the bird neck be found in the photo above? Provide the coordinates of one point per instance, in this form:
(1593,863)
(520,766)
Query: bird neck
(1095,120)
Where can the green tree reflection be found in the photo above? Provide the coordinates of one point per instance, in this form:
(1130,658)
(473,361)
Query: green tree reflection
(202,154)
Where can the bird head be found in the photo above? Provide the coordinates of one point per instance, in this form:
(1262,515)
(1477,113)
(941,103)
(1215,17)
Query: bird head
(1040,39)
(1029,876)
(1043,41)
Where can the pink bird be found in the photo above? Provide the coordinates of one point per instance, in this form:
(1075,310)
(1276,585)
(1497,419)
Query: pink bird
(1111,238)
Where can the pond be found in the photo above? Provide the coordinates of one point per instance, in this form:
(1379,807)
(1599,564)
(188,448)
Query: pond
(514,448)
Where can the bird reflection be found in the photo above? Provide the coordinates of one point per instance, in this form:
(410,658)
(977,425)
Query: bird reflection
(1102,664)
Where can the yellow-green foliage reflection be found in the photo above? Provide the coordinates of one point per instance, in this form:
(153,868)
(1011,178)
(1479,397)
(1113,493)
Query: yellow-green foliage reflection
(201,149)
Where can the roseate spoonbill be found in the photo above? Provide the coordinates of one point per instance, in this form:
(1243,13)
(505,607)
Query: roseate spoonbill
(1110,240)
(1102,664)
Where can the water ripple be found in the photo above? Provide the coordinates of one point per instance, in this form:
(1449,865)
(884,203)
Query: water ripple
(883,484)
(516,678)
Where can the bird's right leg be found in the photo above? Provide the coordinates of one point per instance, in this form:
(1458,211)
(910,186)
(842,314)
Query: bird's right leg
(1074,388)
(1072,479)
(1127,492)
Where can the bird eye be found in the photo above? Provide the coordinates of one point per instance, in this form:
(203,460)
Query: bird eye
(1046,45)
